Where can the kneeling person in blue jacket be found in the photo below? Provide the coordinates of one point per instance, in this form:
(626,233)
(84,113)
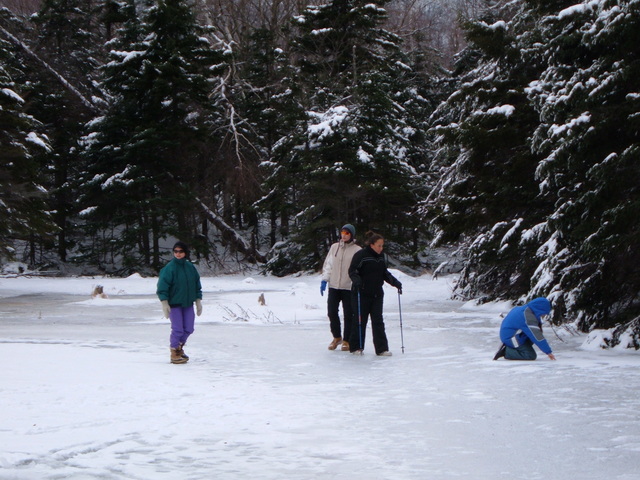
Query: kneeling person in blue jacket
(521,328)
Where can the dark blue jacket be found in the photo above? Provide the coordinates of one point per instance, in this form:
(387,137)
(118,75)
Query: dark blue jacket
(524,323)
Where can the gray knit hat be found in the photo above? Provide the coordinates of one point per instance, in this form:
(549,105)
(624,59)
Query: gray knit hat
(349,228)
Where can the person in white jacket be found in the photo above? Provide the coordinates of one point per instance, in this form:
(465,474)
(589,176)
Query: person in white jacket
(335,274)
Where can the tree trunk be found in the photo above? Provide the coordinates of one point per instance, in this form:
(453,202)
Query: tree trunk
(230,235)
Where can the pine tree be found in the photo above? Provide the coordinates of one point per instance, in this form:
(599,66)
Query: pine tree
(556,216)
(488,194)
(23,210)
(350,155)
(69,39)
(67,43)
(147,152)
(588,137)
(271,106)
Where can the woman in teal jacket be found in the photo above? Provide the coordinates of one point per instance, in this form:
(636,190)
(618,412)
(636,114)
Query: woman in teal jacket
(178,288)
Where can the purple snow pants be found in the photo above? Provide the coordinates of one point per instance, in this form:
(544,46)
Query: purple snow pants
(182,323)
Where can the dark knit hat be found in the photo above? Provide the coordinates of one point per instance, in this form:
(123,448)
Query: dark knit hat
(349,228)
(183,246)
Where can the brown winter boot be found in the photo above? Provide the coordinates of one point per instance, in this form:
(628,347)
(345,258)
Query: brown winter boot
(345,346)
(181,352)
(176,358)
(334,343)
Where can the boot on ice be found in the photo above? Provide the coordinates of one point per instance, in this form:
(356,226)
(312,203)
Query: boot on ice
(180,350)
(176,357)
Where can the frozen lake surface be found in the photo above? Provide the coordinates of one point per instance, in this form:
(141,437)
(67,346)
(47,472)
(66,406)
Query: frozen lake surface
(88,391)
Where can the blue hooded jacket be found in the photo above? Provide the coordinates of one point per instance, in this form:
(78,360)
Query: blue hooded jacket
(525,322)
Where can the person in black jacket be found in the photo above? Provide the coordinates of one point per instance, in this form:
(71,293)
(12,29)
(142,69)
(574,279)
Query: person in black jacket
(368,272)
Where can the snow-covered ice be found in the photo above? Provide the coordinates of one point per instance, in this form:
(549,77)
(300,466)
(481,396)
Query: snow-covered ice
(88,391)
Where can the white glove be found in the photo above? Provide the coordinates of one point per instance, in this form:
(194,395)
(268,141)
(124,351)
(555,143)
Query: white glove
(166,309)
(198,306)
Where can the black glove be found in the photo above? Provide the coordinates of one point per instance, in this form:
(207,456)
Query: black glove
(399,287)
(356,283)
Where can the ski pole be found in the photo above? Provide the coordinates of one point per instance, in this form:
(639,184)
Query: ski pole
(400,311)
(360,322)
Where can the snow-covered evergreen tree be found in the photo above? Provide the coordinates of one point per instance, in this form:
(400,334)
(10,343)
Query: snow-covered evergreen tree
(538,152)
(589,103)
(271,107)
(65,50)
(23,209)
(487,191)
(148,152)
(350,156)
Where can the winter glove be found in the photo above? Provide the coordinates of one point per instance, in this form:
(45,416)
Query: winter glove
(198,307)
(166,309)
(323,286)
(356,283)
(399,287)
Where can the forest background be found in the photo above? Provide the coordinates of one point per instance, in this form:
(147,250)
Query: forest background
(504,133)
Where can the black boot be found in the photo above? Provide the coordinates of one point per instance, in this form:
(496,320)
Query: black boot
(501,351)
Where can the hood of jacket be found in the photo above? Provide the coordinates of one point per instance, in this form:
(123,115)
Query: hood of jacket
(539,306)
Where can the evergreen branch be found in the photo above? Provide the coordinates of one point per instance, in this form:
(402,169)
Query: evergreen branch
(65,83)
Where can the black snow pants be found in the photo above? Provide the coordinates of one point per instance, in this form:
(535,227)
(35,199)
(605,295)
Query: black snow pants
(370,306)
(333,303)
